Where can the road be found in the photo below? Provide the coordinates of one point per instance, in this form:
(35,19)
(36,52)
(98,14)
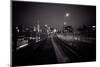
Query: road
(51,50)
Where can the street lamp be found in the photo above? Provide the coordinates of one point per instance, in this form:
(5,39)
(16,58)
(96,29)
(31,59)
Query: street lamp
(67,14)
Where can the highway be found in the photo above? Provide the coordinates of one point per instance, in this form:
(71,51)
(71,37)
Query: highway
(51,50)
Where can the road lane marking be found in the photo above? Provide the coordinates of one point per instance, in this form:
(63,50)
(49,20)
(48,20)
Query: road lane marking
(60,56)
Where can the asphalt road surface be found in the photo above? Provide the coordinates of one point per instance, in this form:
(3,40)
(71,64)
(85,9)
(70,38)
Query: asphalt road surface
(51,50)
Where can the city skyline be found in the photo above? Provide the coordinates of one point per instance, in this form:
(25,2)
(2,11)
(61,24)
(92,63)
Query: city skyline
(29,13)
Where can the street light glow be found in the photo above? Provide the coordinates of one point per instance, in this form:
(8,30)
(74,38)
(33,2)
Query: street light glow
(67,14)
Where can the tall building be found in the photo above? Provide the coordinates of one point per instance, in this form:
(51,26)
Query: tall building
(38,26)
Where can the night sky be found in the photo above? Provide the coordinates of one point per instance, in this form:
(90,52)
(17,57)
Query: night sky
(28,13)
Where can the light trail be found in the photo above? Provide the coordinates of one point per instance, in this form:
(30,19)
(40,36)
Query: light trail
(59,53)
(21,46)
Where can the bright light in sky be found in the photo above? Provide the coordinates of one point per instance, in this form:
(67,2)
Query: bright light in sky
(67,14)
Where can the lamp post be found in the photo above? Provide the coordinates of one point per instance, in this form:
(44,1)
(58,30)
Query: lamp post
(66,16)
